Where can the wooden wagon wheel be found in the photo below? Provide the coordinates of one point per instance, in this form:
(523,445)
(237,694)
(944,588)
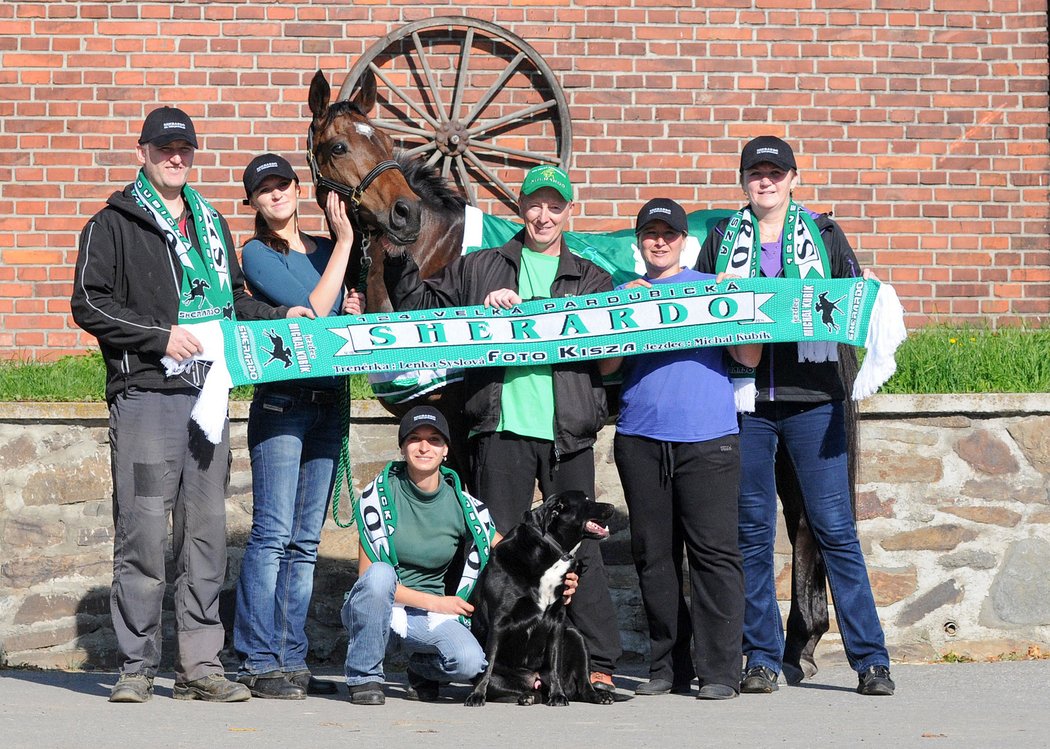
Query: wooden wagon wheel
(471,97)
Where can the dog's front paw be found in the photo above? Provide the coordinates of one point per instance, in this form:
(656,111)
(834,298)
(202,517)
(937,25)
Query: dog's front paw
(557,699)
(475,699)
(527,698)
(601,697)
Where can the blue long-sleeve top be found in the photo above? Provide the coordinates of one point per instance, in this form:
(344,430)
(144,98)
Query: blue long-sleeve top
(288,279)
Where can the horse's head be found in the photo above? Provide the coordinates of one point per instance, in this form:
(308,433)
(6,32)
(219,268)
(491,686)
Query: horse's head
(347,148)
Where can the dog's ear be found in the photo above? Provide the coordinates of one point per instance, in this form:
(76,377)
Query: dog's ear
(553,506)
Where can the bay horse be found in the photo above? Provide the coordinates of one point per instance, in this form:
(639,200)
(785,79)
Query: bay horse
(346,148)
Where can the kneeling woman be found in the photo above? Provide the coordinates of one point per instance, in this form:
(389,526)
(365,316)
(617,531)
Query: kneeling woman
(401,586)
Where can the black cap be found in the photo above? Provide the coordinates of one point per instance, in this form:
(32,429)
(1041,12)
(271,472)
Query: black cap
(422,416)
(261,167)
(167,124)
(767,148)
(662,209)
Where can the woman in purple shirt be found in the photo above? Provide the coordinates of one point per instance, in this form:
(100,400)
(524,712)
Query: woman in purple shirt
(798,405)
(676,453)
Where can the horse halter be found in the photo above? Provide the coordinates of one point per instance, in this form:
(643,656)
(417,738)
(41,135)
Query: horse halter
(353,194)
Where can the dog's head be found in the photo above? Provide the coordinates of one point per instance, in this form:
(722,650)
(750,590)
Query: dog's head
(569,517)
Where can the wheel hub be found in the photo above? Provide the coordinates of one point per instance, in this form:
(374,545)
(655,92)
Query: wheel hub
(452,138)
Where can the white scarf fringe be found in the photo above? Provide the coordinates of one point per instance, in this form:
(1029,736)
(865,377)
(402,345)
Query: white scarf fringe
(817,351)
(744,394)
(399,620)
(886,332)
(213,403)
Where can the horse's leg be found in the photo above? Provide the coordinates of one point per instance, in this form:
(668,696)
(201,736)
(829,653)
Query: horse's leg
(808,618)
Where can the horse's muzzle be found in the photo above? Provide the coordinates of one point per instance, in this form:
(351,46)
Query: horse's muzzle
(403,221)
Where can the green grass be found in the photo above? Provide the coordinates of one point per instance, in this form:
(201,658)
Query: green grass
(932,360)
(83,378)
(969,360)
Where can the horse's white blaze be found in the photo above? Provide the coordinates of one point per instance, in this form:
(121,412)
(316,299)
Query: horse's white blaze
(363,129)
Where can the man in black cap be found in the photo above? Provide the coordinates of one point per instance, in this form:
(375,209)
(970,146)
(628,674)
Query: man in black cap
(154,261)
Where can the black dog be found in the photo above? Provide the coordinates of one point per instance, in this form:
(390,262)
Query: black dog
(519,614)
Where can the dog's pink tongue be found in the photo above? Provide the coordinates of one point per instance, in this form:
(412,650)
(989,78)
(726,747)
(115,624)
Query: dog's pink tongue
(598,530)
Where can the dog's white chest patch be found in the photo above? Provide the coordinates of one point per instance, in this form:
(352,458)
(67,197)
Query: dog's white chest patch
(549,582)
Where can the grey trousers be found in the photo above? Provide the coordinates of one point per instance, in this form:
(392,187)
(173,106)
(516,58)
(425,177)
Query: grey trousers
(161,467)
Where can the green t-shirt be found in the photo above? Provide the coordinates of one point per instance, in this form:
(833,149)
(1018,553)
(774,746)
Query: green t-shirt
(527,402)
(430,529)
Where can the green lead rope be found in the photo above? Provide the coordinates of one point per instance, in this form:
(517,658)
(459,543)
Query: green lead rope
(344,471)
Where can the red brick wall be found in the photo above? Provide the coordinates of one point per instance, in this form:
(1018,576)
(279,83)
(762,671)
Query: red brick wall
(924,128)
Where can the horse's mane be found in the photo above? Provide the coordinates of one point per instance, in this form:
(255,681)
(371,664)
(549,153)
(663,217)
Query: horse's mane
(429,185)
(337,109)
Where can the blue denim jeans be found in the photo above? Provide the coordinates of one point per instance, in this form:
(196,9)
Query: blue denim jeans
(815,437)
(294,449)
(448,652)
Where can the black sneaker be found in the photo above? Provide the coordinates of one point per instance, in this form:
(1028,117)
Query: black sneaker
(876,681)
(369,693)
(759,680)
(273,685)
(654,687)
(132,688)
(211,688)
(306,681)
(716,692)
(420,689)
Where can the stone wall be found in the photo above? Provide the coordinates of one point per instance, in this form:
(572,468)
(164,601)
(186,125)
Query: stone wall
(953,507)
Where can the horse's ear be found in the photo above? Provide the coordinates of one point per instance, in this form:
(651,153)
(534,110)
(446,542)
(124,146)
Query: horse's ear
(364,95)
(320,92)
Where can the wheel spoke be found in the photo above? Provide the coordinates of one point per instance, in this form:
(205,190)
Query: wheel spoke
(484,100)
(434,90)
(464,71)
(521,114)
(401,94)
(397,127)
(486,146)
(483,168)
(464,177)
(420,149)
(434,158)
(446,167)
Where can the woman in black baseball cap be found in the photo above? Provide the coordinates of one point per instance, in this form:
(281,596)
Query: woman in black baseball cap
(418,531)
(294,435)
(797,405)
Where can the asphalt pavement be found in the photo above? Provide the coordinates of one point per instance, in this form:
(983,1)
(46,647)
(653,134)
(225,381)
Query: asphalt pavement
(1001,704)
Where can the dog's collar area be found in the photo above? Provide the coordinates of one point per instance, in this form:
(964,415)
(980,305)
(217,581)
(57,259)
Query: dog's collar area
(566,556)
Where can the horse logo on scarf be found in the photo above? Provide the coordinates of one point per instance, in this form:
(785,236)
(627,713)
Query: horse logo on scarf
(280,352)
(826,308)
(197,288)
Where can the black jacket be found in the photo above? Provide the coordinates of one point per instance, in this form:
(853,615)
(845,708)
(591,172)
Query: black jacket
(126,293)
(580,408)
(780,376)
